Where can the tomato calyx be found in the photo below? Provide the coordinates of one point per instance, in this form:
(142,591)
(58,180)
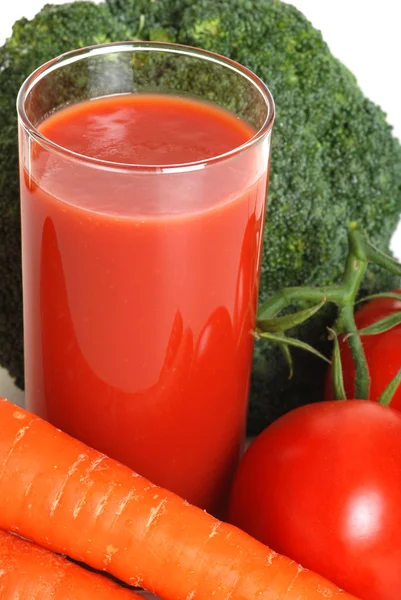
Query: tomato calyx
(273,327)
(387,395)
(337,372)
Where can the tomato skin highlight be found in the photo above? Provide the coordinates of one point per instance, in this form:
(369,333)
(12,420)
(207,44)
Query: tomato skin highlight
(382,351)
(322,485)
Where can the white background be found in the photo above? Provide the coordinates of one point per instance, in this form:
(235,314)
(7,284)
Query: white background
(363,34)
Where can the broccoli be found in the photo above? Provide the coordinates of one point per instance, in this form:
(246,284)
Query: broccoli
(334,157)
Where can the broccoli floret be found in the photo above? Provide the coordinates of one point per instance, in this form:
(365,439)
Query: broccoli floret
(154,20)
(334,157)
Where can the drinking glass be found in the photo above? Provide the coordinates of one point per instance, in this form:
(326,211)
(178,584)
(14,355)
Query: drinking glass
(140,277)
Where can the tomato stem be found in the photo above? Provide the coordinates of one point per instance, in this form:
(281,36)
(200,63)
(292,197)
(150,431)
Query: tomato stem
(347,324)
(360,253)
(337,380)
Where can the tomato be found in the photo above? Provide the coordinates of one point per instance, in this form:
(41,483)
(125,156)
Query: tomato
(322,485)
(383,352)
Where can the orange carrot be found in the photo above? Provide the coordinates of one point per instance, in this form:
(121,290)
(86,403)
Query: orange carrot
(28,572)
(71,499)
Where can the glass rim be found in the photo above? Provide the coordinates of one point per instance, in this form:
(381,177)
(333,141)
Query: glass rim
(109,47)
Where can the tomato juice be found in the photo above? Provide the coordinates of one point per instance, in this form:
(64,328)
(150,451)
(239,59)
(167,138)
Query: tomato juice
(140,284)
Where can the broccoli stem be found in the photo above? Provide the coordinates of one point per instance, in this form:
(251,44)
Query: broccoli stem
(360,253)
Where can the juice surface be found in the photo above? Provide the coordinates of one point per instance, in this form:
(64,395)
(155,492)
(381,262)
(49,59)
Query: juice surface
(140,290)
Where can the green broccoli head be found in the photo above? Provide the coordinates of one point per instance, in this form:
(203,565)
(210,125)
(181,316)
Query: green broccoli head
(334,157)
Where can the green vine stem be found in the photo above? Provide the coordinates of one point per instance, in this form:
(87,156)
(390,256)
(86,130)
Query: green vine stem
(360,253)
(346,324)
(337,372)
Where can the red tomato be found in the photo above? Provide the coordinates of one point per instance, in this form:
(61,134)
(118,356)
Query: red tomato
(322,485)
(383,352)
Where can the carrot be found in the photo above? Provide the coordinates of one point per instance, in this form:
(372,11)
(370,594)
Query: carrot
(28,572)
(74,500)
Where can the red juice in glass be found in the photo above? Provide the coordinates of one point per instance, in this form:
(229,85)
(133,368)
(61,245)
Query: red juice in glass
(141,228)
